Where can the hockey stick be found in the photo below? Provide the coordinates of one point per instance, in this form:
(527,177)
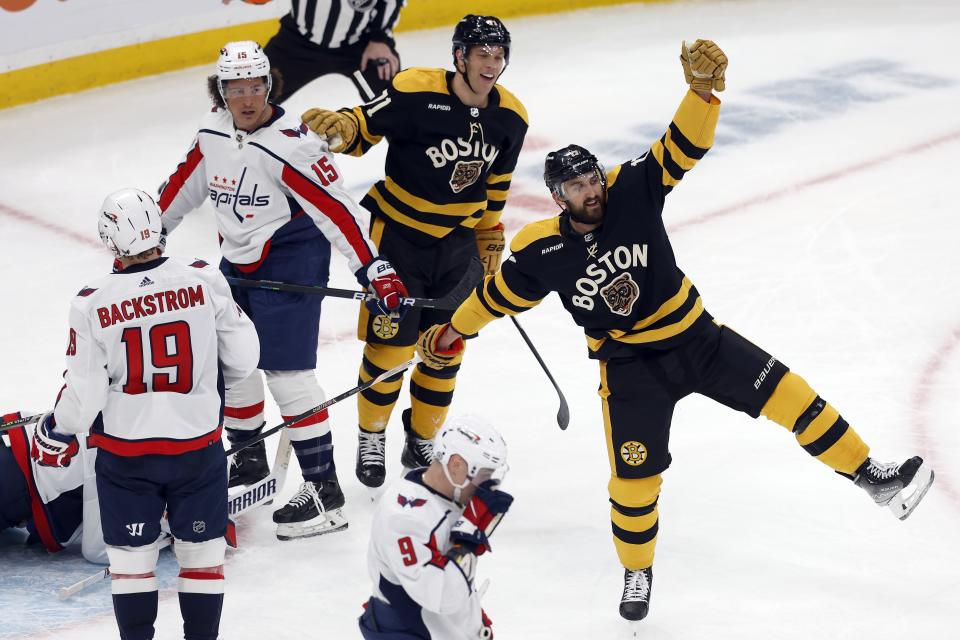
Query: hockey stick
(65,592)
(471,278)
(13,424)
(320,407)
(563,414)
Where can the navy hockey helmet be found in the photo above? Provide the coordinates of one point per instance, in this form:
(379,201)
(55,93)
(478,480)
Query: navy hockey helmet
(568,163)
(475,30)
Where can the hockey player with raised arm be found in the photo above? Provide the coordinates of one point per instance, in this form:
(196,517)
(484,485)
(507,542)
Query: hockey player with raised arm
(454,139)
(280,202)
(608,258)
(57,505)
(428,531)
(151,348)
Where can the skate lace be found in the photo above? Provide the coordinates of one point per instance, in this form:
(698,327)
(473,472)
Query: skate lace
(882,470)
(636,586)
(424,449)
(307,493)
(371,447)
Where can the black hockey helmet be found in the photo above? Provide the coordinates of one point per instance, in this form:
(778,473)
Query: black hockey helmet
(480,30)
(568,163)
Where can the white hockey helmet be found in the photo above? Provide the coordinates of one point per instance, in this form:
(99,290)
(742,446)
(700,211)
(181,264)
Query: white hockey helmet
(243,59)
(478,443)
(129,222)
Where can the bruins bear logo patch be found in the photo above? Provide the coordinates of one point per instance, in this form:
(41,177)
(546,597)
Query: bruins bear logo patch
(465,173)
(621,294)
(633,453)
(384,327)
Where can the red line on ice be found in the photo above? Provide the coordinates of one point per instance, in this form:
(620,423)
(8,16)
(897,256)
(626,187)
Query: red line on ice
(922,404)
(23,216)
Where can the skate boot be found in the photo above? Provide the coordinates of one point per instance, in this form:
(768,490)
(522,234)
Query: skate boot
(314,510)
(417,451)
(248,466)
(899,487)
(371,467)
(635,601)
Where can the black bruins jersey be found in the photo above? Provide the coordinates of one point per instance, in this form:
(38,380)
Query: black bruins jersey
(448,165)
(621,282)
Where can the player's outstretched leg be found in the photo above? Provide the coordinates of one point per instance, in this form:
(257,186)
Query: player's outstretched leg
(824,434)
(371,463)
(417,451)
(899,487)
(635,601)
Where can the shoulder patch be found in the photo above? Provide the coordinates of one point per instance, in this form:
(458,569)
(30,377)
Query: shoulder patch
(199,264)
(535,231)
(421,80)
(86,291)
(511,102)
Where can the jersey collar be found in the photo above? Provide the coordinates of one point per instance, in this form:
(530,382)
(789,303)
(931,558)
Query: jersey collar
(137,268)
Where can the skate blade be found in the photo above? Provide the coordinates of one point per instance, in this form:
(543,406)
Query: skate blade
(903,504)
(375,493)
(330,522)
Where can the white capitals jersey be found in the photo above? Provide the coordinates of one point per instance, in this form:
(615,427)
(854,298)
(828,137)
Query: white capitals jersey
(152,347)
(261,184)
(408,565)
(64,506)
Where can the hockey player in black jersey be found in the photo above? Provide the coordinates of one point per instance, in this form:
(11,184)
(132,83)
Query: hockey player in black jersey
(454,140)
(608,257)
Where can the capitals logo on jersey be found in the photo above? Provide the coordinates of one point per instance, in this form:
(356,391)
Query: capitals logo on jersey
(470,155)
(413,503)
(228,191)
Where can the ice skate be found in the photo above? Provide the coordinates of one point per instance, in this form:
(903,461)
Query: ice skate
(371,467)
(635,601)
(899,487)
(314,510)
(248,466)
(417,451)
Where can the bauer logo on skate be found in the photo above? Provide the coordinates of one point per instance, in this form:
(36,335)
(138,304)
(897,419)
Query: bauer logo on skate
(252,496)
(151,304)
(633,453)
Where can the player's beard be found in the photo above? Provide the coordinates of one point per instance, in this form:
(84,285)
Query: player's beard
(590,212)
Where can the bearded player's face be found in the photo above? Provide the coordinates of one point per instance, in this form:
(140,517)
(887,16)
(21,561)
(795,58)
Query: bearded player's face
(583,198)
(247,101)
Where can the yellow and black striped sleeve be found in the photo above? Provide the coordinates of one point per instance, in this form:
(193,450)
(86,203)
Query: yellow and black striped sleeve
(686,141)
(512,290)
(501,173)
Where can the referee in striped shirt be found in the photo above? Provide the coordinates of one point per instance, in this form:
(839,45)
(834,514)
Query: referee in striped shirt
(319,37)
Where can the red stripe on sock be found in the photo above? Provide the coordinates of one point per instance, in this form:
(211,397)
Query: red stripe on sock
(316,418)
(242,413)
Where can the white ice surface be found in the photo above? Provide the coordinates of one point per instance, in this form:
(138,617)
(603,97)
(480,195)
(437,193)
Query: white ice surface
(822,226)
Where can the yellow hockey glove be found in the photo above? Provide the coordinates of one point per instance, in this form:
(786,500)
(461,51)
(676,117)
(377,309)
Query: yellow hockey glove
(704,65)
(490,244)
(337,128)
(429,350)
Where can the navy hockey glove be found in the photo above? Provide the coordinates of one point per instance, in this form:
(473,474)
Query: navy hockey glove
(387,286)
(481,517)
(51,448)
